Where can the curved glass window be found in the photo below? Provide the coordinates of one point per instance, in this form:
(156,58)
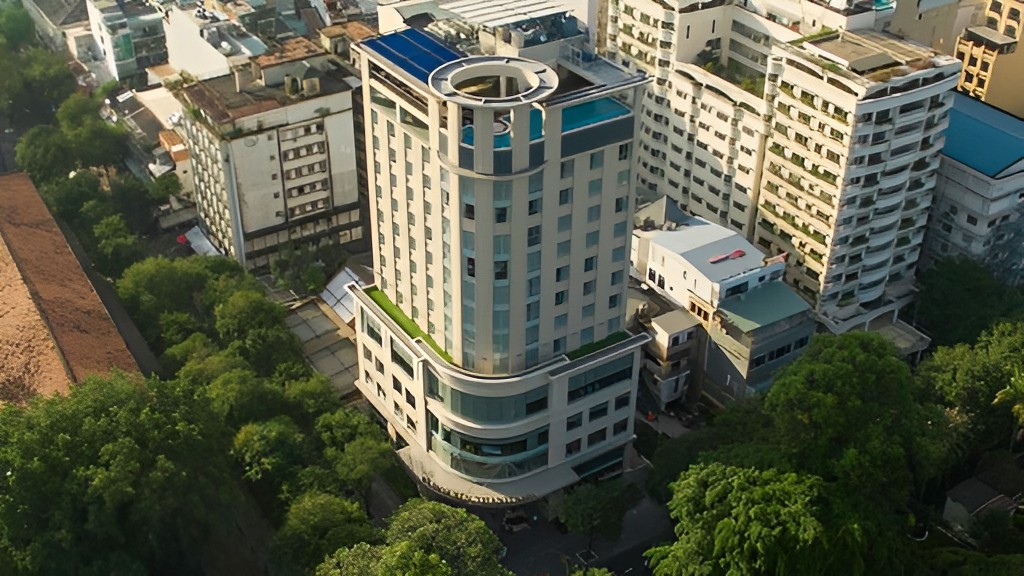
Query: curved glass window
(485,409)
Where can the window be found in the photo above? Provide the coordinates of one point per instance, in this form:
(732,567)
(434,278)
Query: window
(558,346)
(471,267)
(616,278)
(573,422)
(597,437)
(567,168)
(588,264)
(586,336)
(533,262)
(501,270)
(588,287)
(573,447)
(618,254)
(598,412)
(623,151)
(561,321)
(588,311)
(594,188)
(561,296)
(565,223)
(971,220)
(619,230)
(613,301)
(594,213)
(533,236)
(501,214)
(564,196)
(620,204)
(596,160)
(533,286)
(395,384)
(622,402)
(593,238)
(469,211)
(564,248)
(620,427)
(534,206)
(410,399)
(561,274)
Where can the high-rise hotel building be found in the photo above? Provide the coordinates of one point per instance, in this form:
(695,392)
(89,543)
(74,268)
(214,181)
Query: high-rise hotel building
(500,152)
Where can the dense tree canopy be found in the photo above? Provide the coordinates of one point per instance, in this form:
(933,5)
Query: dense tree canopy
(318,524)
(744,522)
(424,538)
(119,477)
(953,281)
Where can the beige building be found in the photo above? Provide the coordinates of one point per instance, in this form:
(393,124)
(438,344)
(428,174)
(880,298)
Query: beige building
(273,154)
(858,129)
(992,64)
(500,157)
(936,23)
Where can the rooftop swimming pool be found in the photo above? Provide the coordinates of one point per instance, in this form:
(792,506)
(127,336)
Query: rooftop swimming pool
(573,118)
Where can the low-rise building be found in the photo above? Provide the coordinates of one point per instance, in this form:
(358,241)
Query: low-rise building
(979,197)
(752,323)
(56,330)
(129,34)
(273,154)
(54,18)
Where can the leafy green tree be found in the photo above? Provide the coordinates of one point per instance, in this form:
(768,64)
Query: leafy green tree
(155,286)
(270,451)
(131,198)
(94,141)
(117,248)
(360,461)
(240,397)
(67,197)
(591,571)
(595,510)
(16,26)
(961,279)
(45,81)
(313,397)
(318,524)
(165,186)
(120,476)
(966,379)
(960,562)
(402,559)
(196,348)
(245,311)
(459,538)
(743,521)
(846,411)
(1013,396)
(45,154)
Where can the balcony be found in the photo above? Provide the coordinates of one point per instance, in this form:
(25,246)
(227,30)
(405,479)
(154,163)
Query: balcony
(881,219)
(878,256)
(883,201)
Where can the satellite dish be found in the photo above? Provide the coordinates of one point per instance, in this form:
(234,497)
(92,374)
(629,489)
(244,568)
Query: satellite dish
(250,141)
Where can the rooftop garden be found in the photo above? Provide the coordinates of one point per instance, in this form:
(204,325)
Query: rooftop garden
(738,74)
(404,322)
(601,344)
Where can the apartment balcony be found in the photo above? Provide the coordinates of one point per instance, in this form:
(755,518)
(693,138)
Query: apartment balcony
(883,201)
(881,237)
(912,116)
(873,292)
(878,256)
(667,371)
(883,219)
(892,180)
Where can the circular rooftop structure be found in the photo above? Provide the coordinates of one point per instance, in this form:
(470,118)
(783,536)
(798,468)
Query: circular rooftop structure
(493,81)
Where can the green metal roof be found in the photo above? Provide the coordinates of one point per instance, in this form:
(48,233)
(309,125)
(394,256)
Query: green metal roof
(762,306)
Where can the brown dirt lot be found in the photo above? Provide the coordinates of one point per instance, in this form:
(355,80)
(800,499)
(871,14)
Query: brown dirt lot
(68,311)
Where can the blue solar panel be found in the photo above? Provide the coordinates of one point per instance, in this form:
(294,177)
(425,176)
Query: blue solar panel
(414,51)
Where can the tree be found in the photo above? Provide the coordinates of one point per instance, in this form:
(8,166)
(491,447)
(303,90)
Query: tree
(318,524)
(963,280)
(966,378)
(16,26)
(402,559)
(743,521)
(240,397)
(131,198)
(45,154)
(270,450)
(1013,396)
(94,142)
(120,476)
(117,248)
(67,198)
(846,411)
(164,186)
(595,510)
(459,538)
(245,311)
(313,397)
(45,82)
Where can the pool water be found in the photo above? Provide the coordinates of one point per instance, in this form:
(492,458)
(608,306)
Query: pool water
(573,118)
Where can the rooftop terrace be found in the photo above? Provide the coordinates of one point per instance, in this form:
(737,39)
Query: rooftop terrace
(875,56)
(573,118)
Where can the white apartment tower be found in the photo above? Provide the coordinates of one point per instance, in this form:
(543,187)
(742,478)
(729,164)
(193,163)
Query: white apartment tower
(712,127)
(494,340)
(853,155)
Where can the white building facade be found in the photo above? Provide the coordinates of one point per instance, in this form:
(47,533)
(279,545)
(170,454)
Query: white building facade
(275,166)
(494,341)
